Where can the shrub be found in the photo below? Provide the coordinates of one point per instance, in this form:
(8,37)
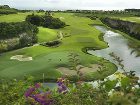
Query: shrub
(51,43)
(34,19)
(16,35)
(45,21)
(117,89)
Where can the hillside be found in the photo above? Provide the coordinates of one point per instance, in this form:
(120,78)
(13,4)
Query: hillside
(5,9)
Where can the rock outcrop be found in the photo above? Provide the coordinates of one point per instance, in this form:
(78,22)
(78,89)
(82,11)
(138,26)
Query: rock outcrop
(130,28)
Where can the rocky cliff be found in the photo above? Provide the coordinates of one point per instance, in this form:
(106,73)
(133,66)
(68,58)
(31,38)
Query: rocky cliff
(130,28)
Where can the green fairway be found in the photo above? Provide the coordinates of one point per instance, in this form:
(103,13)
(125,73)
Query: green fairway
(45,59)
(132,19)
(46,34)
(16,17)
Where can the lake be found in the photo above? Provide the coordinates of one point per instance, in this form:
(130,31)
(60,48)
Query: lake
(119,45)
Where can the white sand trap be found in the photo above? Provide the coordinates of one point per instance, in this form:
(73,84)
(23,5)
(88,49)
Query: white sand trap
(21,58)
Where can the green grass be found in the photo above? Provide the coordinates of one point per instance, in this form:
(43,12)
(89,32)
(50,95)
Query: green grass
(46,34)
(16,17)
(131,19)
(46,60)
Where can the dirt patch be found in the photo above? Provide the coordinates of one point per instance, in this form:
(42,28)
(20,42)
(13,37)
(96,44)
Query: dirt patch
(21,58)
(91,69)
(84,70)
(67,71)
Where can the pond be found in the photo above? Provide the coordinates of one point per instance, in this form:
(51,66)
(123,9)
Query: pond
(120,46)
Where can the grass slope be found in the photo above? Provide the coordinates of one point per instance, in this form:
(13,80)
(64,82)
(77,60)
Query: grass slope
(46,60)
(132,19)
(16,17)
(46,34)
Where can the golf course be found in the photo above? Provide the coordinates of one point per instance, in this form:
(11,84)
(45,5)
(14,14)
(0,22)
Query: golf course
(76,36)
(69,52)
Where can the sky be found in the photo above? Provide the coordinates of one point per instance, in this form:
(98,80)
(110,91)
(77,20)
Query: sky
(72,4)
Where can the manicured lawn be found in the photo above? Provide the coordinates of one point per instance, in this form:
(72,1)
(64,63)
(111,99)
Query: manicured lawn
(132,19)
(16,17)
(46,60)
(46,34)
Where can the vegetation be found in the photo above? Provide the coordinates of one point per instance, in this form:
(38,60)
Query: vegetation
(23,29)
(123,89)
(5,9)
(45,21)
(46,60)
(16,35)
(51,43)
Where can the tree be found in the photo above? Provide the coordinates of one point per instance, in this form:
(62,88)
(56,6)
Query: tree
(34,19)
(45,21)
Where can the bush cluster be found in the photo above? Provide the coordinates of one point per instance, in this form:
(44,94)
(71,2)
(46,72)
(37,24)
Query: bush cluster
(5,9)
(118,89)
(54,43)
(45,21)
(16,35)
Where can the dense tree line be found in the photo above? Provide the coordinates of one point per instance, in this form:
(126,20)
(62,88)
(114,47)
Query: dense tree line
(5,9)
(131,28)
(6,12)
(16,35)
(132,10)
(45,21)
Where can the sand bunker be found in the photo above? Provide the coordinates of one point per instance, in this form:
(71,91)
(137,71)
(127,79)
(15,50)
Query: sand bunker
(66,71)
(21,58)
(84,70)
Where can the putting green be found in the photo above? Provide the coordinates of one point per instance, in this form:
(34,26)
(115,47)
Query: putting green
(46,60)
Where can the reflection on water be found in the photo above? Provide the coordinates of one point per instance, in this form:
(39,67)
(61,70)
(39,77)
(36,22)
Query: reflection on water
(120,46)
(135,47)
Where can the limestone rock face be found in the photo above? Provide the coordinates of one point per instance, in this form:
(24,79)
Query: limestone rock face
(130,28)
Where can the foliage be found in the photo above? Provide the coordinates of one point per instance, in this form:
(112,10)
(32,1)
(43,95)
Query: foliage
(5,9)
(45,21)
(53,23)
(73,60)
(34,19)
(122,89)
(12,92)
(10,30)
(54,43)
(18,34)
(106,92)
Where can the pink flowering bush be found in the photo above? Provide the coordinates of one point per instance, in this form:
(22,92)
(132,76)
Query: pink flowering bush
(123,89)
(107,92)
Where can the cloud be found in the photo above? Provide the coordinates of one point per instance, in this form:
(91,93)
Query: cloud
(73,4)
